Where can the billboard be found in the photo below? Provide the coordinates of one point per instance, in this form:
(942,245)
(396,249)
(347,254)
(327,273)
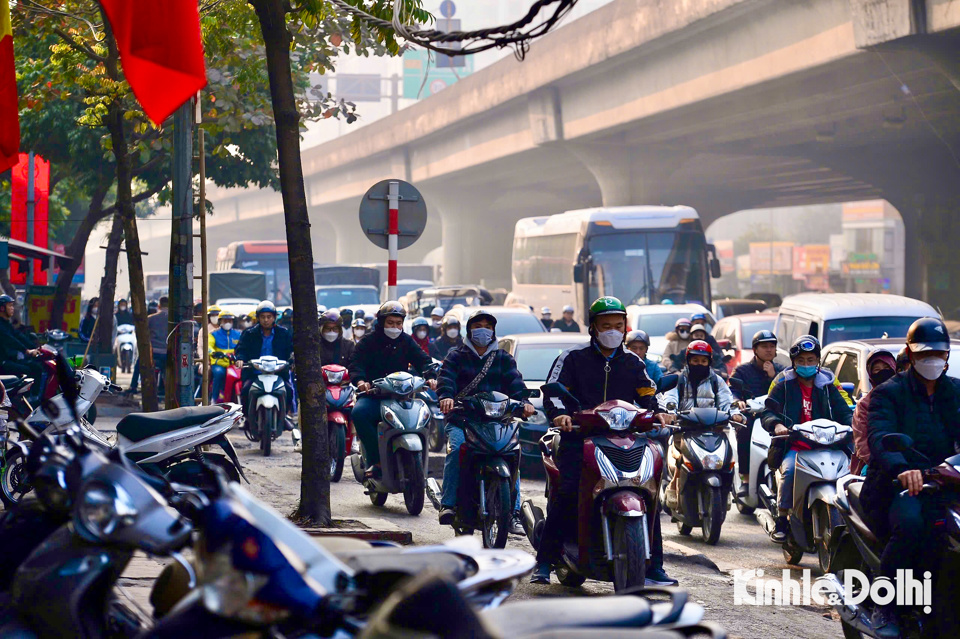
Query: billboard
(811,259)
(422,76)
(861,266)
(763,253)
(40,307)
(725,255)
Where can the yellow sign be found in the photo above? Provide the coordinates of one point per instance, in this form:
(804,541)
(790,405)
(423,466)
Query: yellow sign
(40,307)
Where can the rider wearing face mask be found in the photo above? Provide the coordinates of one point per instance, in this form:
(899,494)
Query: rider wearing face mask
(359,328)
(333,348)
(462,365)
(124,315)
(881,366)
(805,392)
(923,403)
(421,333)
(677,341)
(221,342)
(386,350)
(90,319)
(449,338)
(436,322)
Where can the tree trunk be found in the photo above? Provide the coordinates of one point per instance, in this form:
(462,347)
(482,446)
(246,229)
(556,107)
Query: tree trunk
(314,482)
(108,288)
(76,249)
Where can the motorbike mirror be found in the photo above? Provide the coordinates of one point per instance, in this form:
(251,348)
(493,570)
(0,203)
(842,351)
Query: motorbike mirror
(897,442)
(735,384)
(68,384)
(773,405)
(531,393)
(727,358)
(556,390)
(667,382)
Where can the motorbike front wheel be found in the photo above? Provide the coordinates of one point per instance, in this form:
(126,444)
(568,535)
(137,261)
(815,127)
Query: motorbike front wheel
(13,481)
(827,521)
(629,545)
(267,425)
(496,525)
(415,482)
(712,516)
(338,444)
(436,437)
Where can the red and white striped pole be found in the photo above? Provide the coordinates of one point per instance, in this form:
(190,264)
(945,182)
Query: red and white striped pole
(393,229)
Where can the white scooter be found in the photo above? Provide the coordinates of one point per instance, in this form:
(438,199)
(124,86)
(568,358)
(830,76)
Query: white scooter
(761,492)
(267,401)
(125,347)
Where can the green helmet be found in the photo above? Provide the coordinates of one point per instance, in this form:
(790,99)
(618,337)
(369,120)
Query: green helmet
(607,306)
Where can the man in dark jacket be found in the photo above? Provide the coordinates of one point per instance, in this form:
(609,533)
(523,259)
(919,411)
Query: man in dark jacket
(17,354)
(263,339)
(334,349)
(124,314)
(805,392)
(386,350)
(924,404)
(449,338)
(461,367)
(595,372)
(566,323)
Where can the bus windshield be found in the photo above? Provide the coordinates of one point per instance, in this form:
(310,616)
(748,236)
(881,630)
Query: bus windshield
(649,267)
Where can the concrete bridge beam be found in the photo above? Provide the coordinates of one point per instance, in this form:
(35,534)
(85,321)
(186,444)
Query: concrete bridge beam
(628,176)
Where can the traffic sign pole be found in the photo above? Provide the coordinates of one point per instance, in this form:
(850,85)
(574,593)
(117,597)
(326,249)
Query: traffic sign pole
(393,240)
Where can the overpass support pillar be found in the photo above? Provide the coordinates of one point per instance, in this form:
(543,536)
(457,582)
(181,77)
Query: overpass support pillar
(477,247)
(628,177)
(932,269)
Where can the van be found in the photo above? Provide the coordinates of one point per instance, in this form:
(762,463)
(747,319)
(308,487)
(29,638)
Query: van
(832,317)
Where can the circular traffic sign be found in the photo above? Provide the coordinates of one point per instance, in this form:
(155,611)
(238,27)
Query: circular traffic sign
(375,214)
(447,9)
(436,86)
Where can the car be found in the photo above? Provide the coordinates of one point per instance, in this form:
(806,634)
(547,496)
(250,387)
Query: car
(421,301)
(404,287)
(735,333)
(239,306)
(833,317)
(848,360)
(535,354)
(731,306)
(510,319)
(658,320)
(343,295)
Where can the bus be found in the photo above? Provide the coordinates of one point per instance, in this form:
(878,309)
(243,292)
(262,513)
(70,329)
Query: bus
(639,254)
(267,256)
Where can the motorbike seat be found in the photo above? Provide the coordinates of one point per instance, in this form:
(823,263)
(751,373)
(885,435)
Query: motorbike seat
(856,508)
(139,426)
(391,560)
(542,615)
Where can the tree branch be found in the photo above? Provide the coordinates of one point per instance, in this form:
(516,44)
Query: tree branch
(73,42)
(149,164)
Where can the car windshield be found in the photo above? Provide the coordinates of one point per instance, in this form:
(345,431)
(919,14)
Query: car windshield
(534,360)
(865,328)
(748,329)
(347,296)
(658,324)
(515,323)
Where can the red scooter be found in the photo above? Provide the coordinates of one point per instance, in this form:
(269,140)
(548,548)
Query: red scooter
(619,492)
(340,400)
(231,388)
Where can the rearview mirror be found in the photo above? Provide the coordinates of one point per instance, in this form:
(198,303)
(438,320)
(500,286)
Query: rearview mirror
(724,344)
(897,442)
(727,358)
(578,273)
(667,382)
(773,405)
(735,384)
(715,268)
(556,390)
(531,393)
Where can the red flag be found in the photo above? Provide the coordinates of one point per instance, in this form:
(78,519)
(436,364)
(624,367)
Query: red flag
(9,116)
(160,49)
(18,212)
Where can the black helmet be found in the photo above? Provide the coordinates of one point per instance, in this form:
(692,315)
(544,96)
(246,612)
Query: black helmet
(763,336)
(637,336)
(928,334)
(480,314)
(805,344)
(346,312)
(359,314)
(390,308)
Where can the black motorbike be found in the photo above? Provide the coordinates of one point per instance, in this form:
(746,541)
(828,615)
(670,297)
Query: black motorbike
(489,464)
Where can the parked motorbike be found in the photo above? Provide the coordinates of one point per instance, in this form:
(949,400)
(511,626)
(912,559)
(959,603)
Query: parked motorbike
(620,491)
(125,347)
(814,515)
(402,435)
(701,459)
(341,396)
(267,409)
(857,547)
(489,464)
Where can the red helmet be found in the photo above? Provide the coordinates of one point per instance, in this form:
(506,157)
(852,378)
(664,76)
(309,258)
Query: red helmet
(699,347)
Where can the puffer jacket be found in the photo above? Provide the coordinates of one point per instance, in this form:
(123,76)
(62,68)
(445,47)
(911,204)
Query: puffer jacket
(702,397)
(463,363)
(675,349)
(376,356)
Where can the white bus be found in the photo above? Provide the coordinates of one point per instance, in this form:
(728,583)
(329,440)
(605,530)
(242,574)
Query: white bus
(639,254)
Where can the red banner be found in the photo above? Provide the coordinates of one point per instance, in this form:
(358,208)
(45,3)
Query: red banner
(9,116)
(18,214)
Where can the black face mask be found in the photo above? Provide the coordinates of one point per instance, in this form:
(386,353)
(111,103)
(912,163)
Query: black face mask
(698,373)
(881,376)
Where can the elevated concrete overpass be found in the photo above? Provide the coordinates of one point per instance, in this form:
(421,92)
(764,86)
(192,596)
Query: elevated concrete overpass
(721,104)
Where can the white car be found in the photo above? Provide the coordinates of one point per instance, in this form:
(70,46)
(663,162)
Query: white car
(658,320)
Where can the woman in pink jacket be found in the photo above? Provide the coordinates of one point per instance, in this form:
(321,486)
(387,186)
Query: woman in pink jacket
(881,366)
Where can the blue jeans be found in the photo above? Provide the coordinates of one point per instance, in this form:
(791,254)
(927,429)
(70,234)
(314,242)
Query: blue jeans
(218,379)
(451,468)
(366,416)
(785,492)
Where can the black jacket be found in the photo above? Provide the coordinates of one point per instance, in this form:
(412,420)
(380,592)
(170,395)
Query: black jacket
(901,405)
(716,363)
(581,370)
(12,341)
(251,340)
(339,351)
(124,317)
(572,327)
(754,379)
(376,356)
(443,345)
(463,364)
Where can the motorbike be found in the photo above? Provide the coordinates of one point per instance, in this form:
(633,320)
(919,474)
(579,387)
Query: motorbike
(436,435)
(620,491)
(858,547)
(267,409)
(489,465)
(814,515)
(760,496)
(125,347)
(402,435)
(233,383)
(340,400)
(702,459)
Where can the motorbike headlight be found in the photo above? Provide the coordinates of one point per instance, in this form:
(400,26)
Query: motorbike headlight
(423,417)
(104,508)
(618,418)
(334,377)
(51,488)
(494,409)
(711,461)
(391,417)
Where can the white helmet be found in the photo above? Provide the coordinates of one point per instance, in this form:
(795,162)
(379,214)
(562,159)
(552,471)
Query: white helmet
(568,309)
(545,310)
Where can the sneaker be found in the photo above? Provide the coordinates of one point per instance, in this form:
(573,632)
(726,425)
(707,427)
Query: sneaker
(516,525)
(883,620)
(541,574)
(659,577)
(447,516)
(781,526)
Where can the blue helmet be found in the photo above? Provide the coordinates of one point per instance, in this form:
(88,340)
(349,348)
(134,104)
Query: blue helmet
(420,321)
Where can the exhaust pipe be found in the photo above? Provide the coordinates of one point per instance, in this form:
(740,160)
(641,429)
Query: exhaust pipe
(532,519)
(434,492)
(854,615)
(766,520)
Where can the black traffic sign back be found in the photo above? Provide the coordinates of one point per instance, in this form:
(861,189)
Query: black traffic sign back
(375,214)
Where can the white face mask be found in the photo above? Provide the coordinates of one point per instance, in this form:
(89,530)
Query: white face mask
(453,332)
(392,333)
(226,326)
(610,339)
(421,333)
(330,336)
(436,321)
(930,368)
(683,334)
(359,332)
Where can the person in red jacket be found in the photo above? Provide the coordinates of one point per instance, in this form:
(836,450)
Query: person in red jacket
(421,333)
